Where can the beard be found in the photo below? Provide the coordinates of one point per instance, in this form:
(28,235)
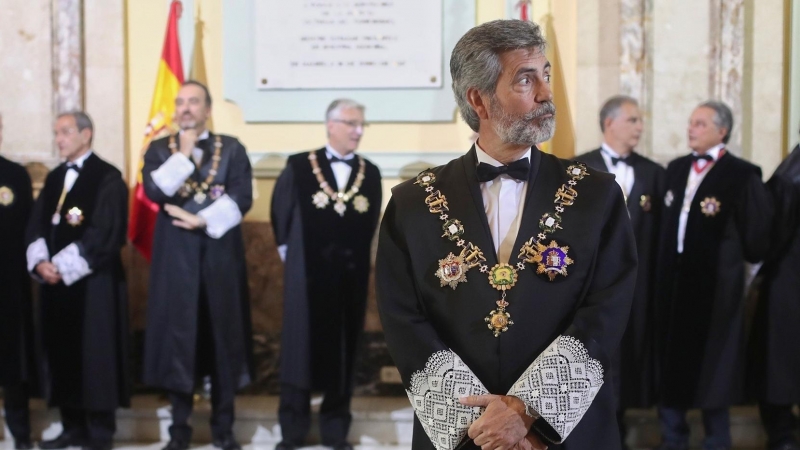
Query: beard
(523,129)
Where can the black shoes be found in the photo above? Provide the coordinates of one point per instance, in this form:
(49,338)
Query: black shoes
(228,443)
(63,441)
(25,444)
(176,444)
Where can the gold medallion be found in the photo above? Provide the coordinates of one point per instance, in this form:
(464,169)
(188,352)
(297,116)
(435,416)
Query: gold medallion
(199,197)
(320,200)
(452,270)
(499,319)
(502,277)
(74,216)
(360,204)
(6,196)
(710,206)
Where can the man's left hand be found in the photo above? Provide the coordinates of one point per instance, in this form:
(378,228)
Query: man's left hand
(502,425)
(183,218)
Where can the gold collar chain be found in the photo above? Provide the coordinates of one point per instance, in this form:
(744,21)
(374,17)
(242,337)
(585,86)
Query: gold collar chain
(326,194)
(550,259)
(201,189)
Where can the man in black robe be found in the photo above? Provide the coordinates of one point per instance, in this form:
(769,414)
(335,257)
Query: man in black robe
(774,362)
(17,359)
(75,236)
(198,308)
(717,216)
(325,209)
(506,275)
(642,182)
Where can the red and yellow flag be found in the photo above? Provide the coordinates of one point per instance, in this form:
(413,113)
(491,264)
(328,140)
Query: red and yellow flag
(162,110)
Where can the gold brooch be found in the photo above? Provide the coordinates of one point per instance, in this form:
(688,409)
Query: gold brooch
(710,206)
(6,196)
(74,216)
(452,270)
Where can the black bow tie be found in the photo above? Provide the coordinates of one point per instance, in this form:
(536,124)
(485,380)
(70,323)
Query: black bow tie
(625,160)
(73,166)
(706,157)
(334,159)
(518,169)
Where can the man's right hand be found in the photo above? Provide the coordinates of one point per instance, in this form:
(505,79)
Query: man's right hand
(530,442)
(188,141)
(49,272)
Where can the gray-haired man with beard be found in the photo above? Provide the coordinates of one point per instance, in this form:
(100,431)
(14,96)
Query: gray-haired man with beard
(518,357)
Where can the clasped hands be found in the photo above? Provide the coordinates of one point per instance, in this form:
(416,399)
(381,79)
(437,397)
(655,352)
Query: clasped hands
(184,219)
(503,425)
(49,272)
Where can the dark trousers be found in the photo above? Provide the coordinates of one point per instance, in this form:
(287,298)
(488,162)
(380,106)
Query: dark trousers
(716,422)
(223,390)
(779,422)
(93,426)
(15,403)
(294,415)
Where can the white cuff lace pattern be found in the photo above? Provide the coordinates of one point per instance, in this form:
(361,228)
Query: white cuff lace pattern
(71,265)
(171,175)
(221,216)
(434,394)
(560,385)
(36,253)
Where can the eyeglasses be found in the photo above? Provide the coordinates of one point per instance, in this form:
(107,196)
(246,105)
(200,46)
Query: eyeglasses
(353,123)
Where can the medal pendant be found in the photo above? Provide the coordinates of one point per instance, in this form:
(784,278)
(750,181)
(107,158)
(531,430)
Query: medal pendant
(360,204)
(710,206)
(498,319)
(502,277)
(74,216)
(340,207)
(199,197)
(6,196)
(452,270)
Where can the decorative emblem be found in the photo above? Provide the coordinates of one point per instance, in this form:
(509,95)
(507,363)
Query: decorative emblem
(565,196)
(216,191)
(498,319)
(452,270)
(577,171)
(6,196)
(436,202)
(452,229)
(710,206)
(473,256)
(74,216)
(425,179)
(340,208)
(669,198)
(503,276)
(199,197)
(550,259)
(360,204)
(646,203)
(320,200)
(549,223)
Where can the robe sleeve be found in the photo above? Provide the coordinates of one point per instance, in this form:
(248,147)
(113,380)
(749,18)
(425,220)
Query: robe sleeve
(434,376)
(36,250)
(104,237)
(786,201)
(160,174)
(284,198)
(753,218)
(576,362)
(227,211)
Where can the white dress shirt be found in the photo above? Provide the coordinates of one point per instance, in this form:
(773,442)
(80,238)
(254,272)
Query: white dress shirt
(503,202)
(72,174)
(622,171)
(692,184)
(341,171)
(197,152)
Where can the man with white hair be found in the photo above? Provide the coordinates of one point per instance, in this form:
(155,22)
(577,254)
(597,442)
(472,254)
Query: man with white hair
(325,209)
(505,277)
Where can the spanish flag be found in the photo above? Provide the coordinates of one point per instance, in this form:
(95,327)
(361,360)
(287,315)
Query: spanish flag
(162,110)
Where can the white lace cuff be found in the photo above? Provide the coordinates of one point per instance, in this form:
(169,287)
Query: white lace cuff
(71,265)
(36,253)
(434,394)
(560,385)
(171,175)
(221,216)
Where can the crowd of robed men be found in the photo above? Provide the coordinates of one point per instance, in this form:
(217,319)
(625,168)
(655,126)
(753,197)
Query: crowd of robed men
(637,278)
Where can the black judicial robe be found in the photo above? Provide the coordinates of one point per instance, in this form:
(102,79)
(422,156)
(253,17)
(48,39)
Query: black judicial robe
(84,326)
(774,359)
(17,356)
(426,324)
(189,267)
(321,327)
(636,365)
(700,303)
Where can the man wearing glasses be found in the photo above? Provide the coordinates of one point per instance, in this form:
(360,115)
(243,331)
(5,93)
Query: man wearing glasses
(325,209)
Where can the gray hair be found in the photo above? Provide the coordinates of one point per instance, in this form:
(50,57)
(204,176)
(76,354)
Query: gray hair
(611,107)
(336,107)
(723,117)
(82,121)
(475,62)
